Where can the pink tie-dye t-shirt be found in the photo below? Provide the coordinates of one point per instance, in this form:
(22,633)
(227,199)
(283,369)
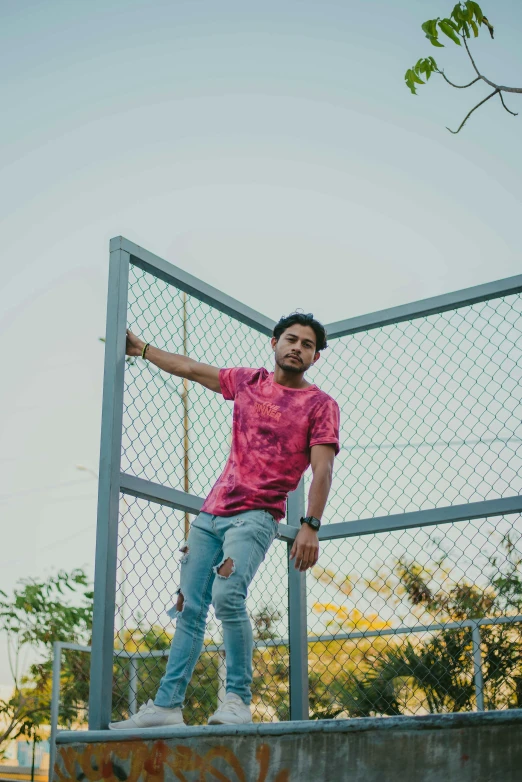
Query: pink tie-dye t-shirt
(273,429)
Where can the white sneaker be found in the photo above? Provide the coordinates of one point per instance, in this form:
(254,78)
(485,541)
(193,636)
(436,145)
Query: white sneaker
(150,716)
(232,712)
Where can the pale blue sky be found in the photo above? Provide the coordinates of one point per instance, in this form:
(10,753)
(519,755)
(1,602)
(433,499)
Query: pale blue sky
(270,149)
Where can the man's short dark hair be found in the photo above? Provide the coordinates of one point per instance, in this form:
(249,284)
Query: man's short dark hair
(303,320)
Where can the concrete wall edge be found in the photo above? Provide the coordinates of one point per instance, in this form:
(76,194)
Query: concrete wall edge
(456,721)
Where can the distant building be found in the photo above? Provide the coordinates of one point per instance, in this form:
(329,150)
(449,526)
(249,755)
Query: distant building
(17,762)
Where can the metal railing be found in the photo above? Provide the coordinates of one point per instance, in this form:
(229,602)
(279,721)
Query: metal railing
(431,408)
(135,657)
(58,647)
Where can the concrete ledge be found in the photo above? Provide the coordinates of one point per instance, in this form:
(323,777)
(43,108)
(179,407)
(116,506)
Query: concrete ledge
(426,722)
(467,747)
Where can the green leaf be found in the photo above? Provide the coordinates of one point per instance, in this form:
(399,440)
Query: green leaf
(465,29)
(412,79)
(410,83)
(449,31)
(434,41)
(477,11)
(475,28)
(430,28)
(452,24)
(425,65)
(468,13)
(457,13)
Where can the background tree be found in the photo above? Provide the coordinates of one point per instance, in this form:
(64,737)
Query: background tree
(37,614)
(466,20)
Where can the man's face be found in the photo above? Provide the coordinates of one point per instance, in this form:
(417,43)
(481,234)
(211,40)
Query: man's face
(295,349)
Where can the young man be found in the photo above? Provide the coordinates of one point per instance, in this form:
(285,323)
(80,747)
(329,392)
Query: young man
(281,424)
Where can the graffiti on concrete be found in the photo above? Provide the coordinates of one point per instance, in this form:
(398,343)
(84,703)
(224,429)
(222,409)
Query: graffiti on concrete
(138,761)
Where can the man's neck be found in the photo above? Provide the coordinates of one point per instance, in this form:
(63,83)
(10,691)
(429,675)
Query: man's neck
(290,379)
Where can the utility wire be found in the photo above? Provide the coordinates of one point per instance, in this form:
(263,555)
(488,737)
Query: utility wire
(435,444)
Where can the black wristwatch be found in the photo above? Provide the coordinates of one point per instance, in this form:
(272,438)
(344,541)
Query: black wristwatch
(311,521)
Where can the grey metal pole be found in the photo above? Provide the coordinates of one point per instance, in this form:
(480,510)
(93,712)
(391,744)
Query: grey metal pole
(133,685)
(477,667)
(297,619)
(55,705)
(222,677)
(100,701)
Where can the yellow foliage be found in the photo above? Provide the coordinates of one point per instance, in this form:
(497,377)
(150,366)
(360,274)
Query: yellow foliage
(344,584)
(352,619)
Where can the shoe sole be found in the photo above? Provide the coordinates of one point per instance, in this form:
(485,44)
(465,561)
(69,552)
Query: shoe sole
(151,727)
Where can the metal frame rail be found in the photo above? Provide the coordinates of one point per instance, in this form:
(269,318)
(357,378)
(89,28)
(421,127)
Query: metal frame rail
(112,481)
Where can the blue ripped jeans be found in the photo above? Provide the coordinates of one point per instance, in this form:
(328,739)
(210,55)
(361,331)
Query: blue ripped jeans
(244,539)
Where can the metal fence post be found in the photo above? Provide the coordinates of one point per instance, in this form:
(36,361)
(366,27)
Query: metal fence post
(477,667)
(55,705)
(133,685)
(297,619)
(222,677)
(100,701)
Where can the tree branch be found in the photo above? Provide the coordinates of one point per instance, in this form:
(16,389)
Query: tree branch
(471,112)
(459,86)
(514,113)
(501,87)
(491,83)
(470,56)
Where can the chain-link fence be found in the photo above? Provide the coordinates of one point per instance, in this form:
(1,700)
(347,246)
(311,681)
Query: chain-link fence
(414,621)
(414,606)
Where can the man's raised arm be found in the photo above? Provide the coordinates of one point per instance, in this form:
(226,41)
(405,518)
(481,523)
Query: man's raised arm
(175,364)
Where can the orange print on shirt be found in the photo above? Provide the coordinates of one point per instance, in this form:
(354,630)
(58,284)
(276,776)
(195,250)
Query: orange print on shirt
(268,410)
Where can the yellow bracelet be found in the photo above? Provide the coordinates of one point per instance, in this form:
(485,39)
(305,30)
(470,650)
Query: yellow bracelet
(145,350)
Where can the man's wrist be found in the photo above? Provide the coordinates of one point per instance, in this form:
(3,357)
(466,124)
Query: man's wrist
(143,349)
(311,521)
